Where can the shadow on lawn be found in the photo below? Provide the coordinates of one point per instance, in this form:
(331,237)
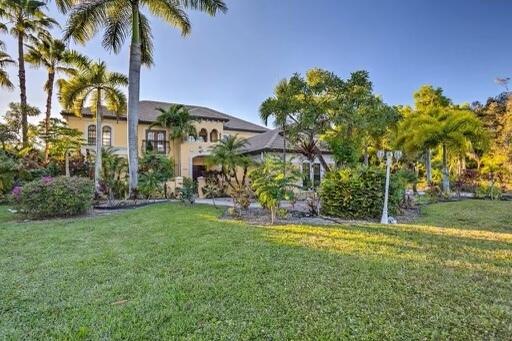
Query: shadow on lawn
(461,249)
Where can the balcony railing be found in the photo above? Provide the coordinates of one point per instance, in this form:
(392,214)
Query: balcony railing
(158,146)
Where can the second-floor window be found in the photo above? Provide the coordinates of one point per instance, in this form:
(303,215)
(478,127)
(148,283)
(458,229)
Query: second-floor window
(155,140)
(107,136)
(91,135)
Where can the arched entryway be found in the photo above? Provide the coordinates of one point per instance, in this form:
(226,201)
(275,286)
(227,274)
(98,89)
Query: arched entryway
(199,167)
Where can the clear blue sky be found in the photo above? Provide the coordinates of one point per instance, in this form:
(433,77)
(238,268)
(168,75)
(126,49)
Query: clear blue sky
(232,62)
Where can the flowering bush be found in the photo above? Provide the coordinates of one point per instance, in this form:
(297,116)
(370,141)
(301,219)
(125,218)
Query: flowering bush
(54,197)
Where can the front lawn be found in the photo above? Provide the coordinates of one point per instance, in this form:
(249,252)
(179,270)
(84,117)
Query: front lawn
(167,271)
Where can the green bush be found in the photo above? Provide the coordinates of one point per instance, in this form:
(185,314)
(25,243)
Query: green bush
(358,193)
(187,193)
(55,197)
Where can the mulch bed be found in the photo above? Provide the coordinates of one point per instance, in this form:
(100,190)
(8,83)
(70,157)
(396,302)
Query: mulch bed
(126,204)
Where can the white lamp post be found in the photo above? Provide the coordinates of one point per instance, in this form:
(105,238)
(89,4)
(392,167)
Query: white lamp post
(389,159)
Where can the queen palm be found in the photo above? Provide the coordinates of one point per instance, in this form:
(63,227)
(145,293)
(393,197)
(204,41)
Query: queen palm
(26,21)
(178,120)
(122,19)
(95,86)
(5,60)
(55,57)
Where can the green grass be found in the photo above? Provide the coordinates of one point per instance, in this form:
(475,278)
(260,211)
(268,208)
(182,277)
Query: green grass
(473,214)
(166,272)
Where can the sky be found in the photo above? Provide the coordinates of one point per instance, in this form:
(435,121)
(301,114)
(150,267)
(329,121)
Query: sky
(233,61)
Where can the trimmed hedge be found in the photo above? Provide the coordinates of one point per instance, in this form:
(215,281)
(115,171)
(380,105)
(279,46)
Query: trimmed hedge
(358,193)
(55,197)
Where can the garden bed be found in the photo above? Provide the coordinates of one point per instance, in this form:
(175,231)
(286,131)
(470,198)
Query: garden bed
(126,204)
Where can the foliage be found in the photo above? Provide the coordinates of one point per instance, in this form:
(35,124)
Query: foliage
(212,189)
(55,197)
(177,118)
(9,167)
(496,170)
(150,185)
(187,192)
(241,195)
(158,164)
(113,174)
(358,193)
(5,60)
(271,185)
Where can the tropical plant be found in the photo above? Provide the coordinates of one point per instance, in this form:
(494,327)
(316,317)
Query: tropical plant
(13,126)
(55,57)
(271,184)
(61,140)
(211,189)
(9,167)
(26,22)
(96,86)
(113,174)
(5,61)
(122,19)
(495,168)
(180,123)
(155,169)
(187,192)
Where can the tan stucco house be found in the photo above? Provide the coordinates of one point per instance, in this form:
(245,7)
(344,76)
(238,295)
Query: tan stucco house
(211,126)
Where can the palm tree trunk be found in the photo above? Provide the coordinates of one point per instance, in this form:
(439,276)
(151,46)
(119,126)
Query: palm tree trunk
(23,90)
(99,138)
(366,156)
(428,165)
(66,158)
(446,175)
(133,101)
(284,149)
(49,89)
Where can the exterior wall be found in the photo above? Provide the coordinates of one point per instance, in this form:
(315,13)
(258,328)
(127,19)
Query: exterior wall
(241,134)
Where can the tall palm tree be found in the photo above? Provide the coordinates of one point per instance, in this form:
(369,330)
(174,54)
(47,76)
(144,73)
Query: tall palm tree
(27,22)
(122,19)
(5,60)
(96,86)
(178,120)
(55,57)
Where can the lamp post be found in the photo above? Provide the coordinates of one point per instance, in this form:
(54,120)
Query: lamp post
(389,159)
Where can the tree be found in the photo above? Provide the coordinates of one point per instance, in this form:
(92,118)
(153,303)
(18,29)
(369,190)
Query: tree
(61,140)
(27,23)
(178,120)
(13,122)
(96,86)
(5,61)
(121,19)
(55,57)
(271,185)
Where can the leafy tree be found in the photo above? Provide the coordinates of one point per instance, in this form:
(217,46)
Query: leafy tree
(271,184)
(55,57)
(9,167)
(178,120)
(61,140)
(122,19)
(496,169)
(27,22)
(94,85)
(12,128)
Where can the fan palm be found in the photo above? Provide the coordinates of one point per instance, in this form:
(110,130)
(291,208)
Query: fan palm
(5,60)
(27,22)
(96,86)
(180,123)
(122,19)
(55,57)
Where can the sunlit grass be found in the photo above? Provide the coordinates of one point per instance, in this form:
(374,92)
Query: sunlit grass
(170,271)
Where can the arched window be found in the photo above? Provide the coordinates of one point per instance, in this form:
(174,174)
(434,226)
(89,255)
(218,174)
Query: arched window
(214,135)
(203,135)
(91,135)
(107,136)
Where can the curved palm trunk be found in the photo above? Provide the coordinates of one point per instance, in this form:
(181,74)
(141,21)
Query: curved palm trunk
(133,101)
(49,89)
(446,175)
(99,138)
(23,91)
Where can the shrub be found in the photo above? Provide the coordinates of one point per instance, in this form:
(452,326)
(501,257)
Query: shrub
(187,193)
(55,197)
(358,193)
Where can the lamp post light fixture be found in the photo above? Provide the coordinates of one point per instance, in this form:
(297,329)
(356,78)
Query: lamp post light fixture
(397,154)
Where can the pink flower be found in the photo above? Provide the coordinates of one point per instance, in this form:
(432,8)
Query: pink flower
(16,193)
(46,179)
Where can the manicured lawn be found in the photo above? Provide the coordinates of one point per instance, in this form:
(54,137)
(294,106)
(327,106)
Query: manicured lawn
(172,272)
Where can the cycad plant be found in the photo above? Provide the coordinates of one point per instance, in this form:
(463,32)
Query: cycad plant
(124,19)
(97,87)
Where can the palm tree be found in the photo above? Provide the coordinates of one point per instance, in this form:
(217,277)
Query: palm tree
(178,120)
(228,155)
(55,57)
(27,22)
(454,129)
(122,19)
(94,85)
(5,60)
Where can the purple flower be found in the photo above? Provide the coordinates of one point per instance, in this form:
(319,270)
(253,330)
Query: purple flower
(16,193)
(46,179)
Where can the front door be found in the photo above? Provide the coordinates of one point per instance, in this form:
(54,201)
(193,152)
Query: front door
(197,171)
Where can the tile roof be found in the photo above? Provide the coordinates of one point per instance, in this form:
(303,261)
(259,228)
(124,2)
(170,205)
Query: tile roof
(272,140)
(148,114)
